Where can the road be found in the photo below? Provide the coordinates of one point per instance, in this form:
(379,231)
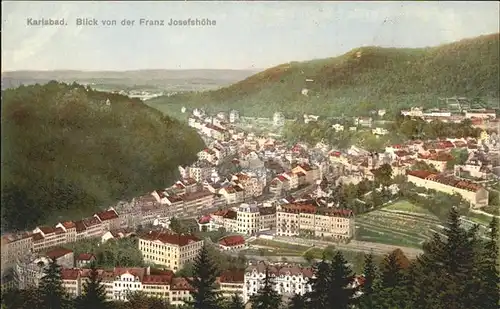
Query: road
(354,245)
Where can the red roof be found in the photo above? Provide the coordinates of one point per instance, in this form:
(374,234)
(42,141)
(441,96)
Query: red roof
(204,219)
(68,224)
(107,215)
(170,238)
(85,257)
(46,229)
(70,273)
(80,227)
(231,241)
(57,253)
(180,284)
(37,236)
(232,276)
(309,208)
(164,279)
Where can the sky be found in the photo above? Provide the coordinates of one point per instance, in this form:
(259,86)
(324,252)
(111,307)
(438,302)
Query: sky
(247,35)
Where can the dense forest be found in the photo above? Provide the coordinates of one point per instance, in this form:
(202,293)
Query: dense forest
(68,150)
(366,77)
(458,270)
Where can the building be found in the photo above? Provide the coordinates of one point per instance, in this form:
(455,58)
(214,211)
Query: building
(72,281)
(45,237)
(232,282)
(267,218)
(233,194)
(84,260)
(289,280)
(248,219)
(226,219)
(475,194)
(109,219)
(128,280)
(62,256)
(157,285)
(234,116)
(278,119)
(200,170)
(307,219)
(13,247)
(169,249)
(234,242)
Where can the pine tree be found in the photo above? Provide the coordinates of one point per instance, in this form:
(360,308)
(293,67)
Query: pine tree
(94,293)
(489,280)
(317,298)
(204,295)
(445,272)
(370,277)
(392,290)
(266,297)
(341,278)
(52,293)
(297,302)
(236,302)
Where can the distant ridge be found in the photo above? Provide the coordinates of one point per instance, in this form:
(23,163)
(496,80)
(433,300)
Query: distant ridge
(377,77)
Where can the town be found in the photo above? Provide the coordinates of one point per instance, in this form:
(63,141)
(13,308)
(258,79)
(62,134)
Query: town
(265,197)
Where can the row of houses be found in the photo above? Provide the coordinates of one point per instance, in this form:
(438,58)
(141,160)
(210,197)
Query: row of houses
(42,238)
(291,219)
(119,282)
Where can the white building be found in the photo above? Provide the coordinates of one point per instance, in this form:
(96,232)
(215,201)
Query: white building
(289,280)
(278,119)
(248,219)
(234,116)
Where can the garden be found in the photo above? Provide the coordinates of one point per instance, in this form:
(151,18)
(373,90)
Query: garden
(400,224)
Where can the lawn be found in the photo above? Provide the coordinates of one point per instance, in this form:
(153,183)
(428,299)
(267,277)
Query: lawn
(400,224)
(275,248)
(479,218)
(408,207)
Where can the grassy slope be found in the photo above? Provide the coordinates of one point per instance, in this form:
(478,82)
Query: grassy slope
(383,77)
(65,153)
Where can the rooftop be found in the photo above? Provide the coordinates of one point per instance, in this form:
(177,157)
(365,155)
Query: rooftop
(170,238)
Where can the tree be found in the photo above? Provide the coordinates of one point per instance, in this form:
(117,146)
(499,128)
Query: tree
(489,283)
(444,274)
(176,226)
(460,156)
(383,174)
(392,289)
(370,276)
(317,298)
(422,166)
(51,291)
(94,293)
(236,302)
(20,299)
(308,256)
(297,302)
(341,278)
(203,281)
(266,297)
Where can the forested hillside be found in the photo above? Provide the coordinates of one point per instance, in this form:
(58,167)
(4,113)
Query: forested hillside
(68,150)
(371,77)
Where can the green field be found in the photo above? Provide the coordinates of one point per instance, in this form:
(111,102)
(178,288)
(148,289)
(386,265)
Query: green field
(405,206)
(400,224)
(275,248)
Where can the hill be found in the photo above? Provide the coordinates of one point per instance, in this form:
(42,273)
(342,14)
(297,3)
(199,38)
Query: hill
(66,151)
(177,80)
(377,77)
